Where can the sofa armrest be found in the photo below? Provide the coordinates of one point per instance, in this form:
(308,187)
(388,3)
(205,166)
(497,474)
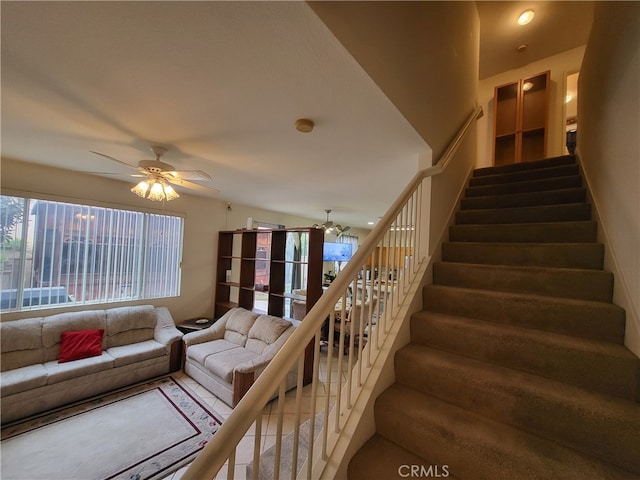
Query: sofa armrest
(166,332)
(254,365)
(214,332)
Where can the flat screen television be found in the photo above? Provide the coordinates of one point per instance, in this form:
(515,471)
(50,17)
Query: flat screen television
(336,252)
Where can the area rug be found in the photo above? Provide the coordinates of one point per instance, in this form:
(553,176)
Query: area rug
(142,432)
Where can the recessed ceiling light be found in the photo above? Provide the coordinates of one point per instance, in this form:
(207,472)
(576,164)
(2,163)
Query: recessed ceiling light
(526,17)
(370,223)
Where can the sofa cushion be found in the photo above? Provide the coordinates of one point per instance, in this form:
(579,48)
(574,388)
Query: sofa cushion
(54,325)
(265,330)
(21,379)
(238,325)
(136,352)
(223,363)
(127,325)
(82,344)
(201,351)
(58,372)
(21,343)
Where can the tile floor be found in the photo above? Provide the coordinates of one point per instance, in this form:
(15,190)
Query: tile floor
(244,453)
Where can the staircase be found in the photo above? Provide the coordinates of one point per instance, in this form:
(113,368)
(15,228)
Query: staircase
(516,367)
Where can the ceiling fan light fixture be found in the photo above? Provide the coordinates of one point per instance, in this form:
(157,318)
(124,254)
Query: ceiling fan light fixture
(141,189)
(170,193)
(156,192)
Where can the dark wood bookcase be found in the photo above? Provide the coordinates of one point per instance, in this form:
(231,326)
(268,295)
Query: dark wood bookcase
(293,261)
(291,250)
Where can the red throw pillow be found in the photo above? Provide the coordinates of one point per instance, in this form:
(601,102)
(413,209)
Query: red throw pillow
(82,344)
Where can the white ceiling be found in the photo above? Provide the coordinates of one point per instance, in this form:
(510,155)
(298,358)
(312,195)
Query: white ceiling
(220,84)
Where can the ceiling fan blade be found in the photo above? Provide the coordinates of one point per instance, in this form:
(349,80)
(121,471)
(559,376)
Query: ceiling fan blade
(115,174)
(190,175)
(194,186)
(114,159)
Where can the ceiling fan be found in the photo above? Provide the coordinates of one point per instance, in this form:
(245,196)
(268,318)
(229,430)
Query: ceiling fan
(329,227)
(158,176)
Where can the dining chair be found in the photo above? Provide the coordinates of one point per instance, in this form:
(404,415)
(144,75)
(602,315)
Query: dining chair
(356,314)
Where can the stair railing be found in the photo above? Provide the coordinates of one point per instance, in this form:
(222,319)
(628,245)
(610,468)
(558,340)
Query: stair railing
(343,333)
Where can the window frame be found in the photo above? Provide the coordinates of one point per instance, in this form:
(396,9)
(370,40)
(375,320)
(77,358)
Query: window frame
(142,248)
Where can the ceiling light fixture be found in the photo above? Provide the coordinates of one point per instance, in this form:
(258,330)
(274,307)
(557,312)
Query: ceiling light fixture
(304,125)
(521,48)
(156,191)
(329,227)
(526,86)
(526,17)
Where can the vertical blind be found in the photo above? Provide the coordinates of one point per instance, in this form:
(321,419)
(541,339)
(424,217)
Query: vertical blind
(54,252)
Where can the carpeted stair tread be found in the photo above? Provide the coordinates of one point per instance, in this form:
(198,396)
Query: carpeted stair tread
(520,166)
(541,232)
(524,175)
(562,255)
(579,318)
(553,197)
(594,424)
(600,366)
(476,447)
(566,212)
(585,284)
(541,185)
(380,459)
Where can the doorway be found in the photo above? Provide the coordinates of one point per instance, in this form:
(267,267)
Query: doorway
(571,112)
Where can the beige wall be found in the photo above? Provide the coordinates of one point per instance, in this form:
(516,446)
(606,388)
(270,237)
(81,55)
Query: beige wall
(422,55)
(204,217)
(560,66)
(609,147)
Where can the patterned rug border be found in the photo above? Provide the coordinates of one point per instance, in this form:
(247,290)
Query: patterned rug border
(198,414)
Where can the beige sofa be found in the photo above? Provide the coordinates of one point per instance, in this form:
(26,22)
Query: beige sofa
(139,343)
(227,357)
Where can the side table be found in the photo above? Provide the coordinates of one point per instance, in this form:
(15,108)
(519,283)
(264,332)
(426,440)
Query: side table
(194,324)
(191,325)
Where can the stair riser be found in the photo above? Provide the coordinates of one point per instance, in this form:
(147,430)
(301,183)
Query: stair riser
(571,181)
(558,232)
(581,284)
(537,174)
(524,166)
(599,321)
(524,199)
(474,447)
(531,352)
(585,256)
(550,213)
(501,395)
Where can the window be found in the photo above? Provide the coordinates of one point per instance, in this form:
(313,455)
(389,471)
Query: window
(63,253)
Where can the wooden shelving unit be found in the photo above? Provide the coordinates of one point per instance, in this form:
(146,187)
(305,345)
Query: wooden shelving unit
(521,111)
(293,261)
